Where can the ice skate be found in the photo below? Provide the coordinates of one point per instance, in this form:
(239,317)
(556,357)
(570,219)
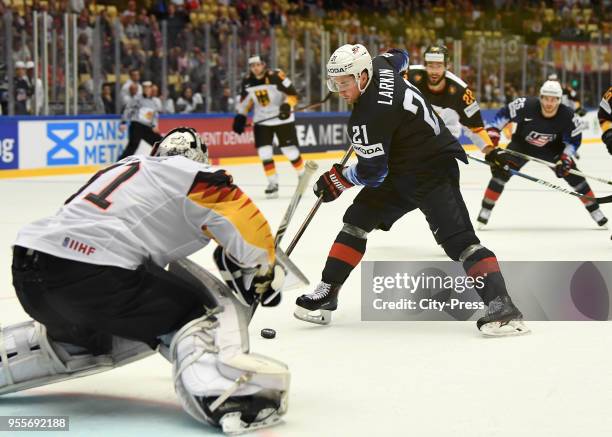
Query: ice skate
(324,300)
(483,217)
(599,218)
(502,319)
(272,191)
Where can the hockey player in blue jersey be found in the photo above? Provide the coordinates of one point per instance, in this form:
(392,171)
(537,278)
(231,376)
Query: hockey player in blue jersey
(406,160)
(545,129)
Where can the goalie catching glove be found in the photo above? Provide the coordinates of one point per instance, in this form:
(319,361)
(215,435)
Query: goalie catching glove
(331,184)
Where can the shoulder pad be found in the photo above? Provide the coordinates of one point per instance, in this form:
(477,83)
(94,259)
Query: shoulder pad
(454,78)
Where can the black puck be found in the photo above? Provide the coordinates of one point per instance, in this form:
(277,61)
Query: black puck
(268,333)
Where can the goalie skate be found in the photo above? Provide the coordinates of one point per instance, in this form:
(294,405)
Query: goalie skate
(317,306)
(502,319)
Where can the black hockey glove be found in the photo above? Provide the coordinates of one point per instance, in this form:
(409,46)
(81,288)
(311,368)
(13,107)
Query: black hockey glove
(564,165)
(331,184)
(498,159)
(494,134)
(284,111)
(606,137)
(268,285)
(239,123)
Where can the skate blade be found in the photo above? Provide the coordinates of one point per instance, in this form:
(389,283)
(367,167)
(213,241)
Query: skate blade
(497,329)
(272,196)
(323,318)
(481,226)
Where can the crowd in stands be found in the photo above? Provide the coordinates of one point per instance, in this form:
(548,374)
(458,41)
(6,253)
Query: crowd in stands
(384,23)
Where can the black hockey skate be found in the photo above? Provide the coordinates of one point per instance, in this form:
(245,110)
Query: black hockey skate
(599,218)
(324,299)
(272,191)
(502,318)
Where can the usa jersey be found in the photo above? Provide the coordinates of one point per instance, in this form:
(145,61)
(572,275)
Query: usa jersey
(605,111)
(393,129)
(266,95)
(561,132)
(157,208)
(142,109)
(455,104)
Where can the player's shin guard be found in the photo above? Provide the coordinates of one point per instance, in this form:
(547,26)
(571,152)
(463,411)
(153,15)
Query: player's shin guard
(502,317)
(293,155)
(492,193)
(591,206)
(345,254)
(29,358)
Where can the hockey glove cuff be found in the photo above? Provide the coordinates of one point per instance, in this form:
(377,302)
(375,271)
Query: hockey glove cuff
(494,134)
(606,137)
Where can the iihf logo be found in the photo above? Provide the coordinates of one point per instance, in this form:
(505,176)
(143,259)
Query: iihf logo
(77,246)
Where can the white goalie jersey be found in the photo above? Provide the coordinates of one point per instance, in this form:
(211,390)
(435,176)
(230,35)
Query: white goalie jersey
(157,208)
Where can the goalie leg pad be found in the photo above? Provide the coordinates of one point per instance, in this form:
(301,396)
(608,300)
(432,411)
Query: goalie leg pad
(29,358)
(216,379)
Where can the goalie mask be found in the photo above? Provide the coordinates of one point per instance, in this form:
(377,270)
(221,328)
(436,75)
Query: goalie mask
(183,141)
(349,60)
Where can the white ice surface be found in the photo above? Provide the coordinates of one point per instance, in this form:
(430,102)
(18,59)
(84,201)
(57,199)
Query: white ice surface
(371,379)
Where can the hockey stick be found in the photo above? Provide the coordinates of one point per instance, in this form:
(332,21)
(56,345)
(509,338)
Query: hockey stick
(606,199)
(314,209)
(551,165)
(309,168)
(300,109)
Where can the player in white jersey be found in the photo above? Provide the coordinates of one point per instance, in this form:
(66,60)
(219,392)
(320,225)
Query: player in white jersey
(92,277)
(142,112)
(273,96)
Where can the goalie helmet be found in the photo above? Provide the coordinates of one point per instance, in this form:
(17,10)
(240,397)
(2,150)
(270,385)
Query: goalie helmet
(551,88)
(349,60)
(183,141)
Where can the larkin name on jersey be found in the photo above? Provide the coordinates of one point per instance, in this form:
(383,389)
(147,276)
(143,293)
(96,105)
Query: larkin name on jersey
(455,104)
(265,96)
(393,129)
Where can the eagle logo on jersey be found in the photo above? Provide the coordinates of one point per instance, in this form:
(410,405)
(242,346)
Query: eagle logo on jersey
(538,139)
(262,97)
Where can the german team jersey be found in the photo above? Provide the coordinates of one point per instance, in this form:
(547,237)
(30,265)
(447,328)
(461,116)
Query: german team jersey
(157,208)
(605,111)
(265,96)
(455,104)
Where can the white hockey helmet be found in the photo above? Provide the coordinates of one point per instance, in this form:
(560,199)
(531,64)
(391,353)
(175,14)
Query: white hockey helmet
(349,59)
(551,88)
(183,141)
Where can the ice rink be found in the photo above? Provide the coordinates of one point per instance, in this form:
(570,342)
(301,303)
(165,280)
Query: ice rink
(358,378)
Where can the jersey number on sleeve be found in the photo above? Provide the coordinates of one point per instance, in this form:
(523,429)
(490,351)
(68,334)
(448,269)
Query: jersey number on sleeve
(413,94)
(101,199)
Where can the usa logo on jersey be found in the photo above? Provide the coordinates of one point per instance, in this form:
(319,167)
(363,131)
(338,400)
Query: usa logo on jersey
(538,139)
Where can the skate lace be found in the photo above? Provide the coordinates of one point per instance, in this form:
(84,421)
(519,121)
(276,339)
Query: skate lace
(321,291)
